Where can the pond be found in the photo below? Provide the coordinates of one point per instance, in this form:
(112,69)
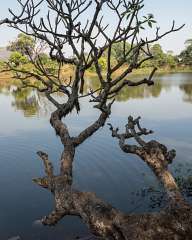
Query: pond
(99,166)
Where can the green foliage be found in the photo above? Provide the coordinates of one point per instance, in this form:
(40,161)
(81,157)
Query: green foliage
(24,44)
(21,48)
(118,50)
(2,65)
(44,58)
(149,19)
(49,64)
(102,64)
(186,55)
(171,61)
(25,101)
(16,58)
(160,59)
(188,42)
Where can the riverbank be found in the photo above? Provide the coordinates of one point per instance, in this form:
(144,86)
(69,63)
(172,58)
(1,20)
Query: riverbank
(144,71)
(68,72)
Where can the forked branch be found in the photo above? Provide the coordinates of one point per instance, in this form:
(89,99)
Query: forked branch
(153,153)
(87,38)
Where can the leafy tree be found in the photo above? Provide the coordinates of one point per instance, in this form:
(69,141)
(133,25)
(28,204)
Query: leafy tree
(16,58)
(118,51)
(188,42)
(186,55)
(49,64)
(24,44)
(159,57)
(102,63)
(171,60)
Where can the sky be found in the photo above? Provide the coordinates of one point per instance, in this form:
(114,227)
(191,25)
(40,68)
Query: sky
(165,11)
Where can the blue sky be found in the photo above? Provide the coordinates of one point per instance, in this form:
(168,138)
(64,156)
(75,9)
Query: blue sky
(164,11)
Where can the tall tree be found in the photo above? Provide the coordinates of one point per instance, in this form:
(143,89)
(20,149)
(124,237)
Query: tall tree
(24,44)
(188,42)
(186,55)
(77,31)
(119,49)
(159,58)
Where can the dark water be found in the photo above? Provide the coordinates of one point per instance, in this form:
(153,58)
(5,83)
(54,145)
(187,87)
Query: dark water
(99,164)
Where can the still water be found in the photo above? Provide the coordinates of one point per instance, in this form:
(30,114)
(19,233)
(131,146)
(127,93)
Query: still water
(99,164)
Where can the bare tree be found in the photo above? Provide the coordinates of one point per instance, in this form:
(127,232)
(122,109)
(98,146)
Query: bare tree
(68,27)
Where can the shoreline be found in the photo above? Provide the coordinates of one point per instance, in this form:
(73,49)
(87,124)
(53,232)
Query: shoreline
(142,71)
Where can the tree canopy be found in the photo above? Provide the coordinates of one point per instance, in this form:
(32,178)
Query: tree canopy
(186,55)
(24,44)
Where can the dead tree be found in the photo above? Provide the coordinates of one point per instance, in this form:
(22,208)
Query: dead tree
(68,28)
(173,222)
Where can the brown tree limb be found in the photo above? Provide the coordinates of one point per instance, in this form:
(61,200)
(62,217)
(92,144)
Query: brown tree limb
(103,219)
(130,83)
(110,223)
(89,131)
(154,154)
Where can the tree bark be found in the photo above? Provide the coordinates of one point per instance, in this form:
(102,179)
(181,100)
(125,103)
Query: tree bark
(173,222)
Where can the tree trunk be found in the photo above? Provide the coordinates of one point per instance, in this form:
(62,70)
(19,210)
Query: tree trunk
(173,222)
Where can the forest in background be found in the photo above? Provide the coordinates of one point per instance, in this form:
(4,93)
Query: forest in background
(165,61)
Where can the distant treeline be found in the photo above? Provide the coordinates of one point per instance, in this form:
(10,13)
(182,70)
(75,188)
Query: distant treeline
(25,46)
(160,58)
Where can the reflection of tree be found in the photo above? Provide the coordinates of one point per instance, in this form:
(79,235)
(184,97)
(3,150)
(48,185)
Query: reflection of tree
(140,92)
(132,93)
(25,100)
(6,85)
(34,103)
(29,101)
(187,89)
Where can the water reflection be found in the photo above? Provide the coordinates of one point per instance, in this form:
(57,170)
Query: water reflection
(27,101)
(140,92)
(105,168)
(32,103)
(187,89)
